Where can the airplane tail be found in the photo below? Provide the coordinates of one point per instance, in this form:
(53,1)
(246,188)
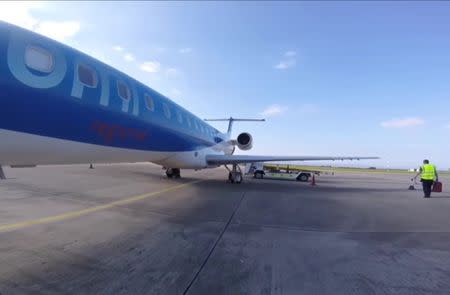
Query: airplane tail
(231,120)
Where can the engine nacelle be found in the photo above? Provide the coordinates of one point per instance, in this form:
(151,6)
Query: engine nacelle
(244,141)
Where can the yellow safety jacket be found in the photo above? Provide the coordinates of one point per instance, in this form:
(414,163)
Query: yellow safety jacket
(428,172)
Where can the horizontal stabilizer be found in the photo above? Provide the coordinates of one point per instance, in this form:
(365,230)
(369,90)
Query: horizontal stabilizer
(237,159)
(231,120)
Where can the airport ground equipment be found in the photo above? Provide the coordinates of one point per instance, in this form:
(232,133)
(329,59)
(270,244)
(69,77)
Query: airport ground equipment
(411,186)
(299,176)
(259,171)
(437,186)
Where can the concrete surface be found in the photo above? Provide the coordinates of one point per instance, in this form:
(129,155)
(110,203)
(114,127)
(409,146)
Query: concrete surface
(126,229)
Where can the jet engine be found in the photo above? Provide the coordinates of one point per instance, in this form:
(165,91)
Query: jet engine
(244,141)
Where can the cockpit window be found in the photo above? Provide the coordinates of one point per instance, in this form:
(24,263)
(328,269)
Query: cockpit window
(39,59)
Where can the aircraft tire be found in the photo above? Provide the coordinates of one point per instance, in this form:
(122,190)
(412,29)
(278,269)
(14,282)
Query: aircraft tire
(238,178)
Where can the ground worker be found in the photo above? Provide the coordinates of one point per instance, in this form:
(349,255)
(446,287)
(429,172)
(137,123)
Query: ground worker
(428,176)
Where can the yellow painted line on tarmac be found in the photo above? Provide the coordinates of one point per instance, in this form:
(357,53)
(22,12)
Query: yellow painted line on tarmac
(74,214)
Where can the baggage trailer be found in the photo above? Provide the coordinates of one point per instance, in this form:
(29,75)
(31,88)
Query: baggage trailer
(259,172)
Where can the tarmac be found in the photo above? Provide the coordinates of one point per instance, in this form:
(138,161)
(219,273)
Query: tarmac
(127,229)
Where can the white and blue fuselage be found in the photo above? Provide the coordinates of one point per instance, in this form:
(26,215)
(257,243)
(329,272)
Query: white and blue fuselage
(60,106)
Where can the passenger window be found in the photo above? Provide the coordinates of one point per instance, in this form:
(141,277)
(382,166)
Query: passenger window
(87,76)
(188,122)
(149,102)
(124,91)
(166,111)
(179,117)
(39,59)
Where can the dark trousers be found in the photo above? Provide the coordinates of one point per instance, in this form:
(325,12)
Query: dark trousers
(427,184)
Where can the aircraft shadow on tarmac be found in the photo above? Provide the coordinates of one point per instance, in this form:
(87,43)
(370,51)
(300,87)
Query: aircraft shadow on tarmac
(342,186)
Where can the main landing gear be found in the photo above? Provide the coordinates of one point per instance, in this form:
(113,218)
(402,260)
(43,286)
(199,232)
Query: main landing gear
(235,174)
(173,173)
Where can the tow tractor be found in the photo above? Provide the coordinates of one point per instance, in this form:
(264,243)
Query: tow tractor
(260,171)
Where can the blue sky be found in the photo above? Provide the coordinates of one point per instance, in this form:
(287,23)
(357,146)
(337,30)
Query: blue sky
(332,78)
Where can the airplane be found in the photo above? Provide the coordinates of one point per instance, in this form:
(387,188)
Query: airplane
(61,106)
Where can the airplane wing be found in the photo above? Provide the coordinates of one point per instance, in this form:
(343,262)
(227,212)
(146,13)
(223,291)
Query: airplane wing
(239,159)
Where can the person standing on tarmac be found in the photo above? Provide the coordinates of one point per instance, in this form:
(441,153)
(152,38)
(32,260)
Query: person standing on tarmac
(428,177)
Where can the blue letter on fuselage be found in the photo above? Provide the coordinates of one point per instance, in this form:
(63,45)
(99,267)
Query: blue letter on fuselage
(18,44)
(78,87)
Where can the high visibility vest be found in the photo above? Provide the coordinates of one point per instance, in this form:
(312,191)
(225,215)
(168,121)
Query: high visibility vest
(428,172)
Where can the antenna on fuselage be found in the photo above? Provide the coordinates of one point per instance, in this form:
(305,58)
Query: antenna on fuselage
(231,120)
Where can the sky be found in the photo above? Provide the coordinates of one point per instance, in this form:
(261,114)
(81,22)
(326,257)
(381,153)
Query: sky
(331,78)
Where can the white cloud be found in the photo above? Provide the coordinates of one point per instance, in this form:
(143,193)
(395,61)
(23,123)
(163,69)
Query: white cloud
(151,66)
(185,50)
(274,110)
(118,48)
(282,65)
(403,123)
(289,60)
(59,31)
(171,73)
(129,57)
(20,14)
